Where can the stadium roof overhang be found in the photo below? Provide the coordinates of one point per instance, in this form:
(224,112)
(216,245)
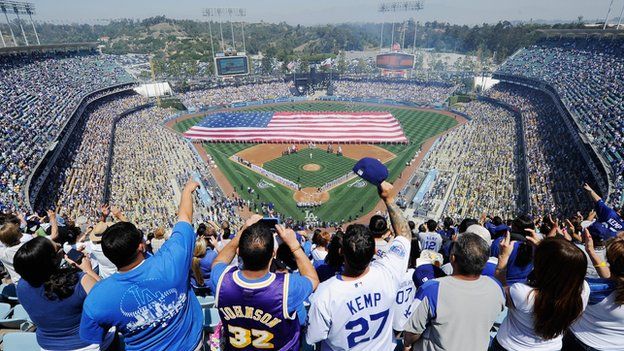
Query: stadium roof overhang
(50,47)
(582,33)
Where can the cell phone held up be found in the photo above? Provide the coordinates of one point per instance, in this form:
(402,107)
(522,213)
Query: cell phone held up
(75,256)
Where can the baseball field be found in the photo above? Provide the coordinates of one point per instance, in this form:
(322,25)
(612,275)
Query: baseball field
(312,168)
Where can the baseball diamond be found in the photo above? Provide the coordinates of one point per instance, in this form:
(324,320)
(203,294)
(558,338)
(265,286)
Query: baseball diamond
(344,203)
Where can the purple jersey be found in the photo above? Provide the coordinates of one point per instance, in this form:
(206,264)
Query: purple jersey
(255,315)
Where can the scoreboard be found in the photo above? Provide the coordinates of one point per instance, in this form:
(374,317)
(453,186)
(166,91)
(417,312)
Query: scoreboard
(395,61)
(232,65)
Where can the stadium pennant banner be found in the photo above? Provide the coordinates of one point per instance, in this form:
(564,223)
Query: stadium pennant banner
(322,127)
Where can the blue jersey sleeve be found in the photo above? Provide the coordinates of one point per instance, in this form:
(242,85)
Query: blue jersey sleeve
(299,289)
(177,252)
(429,291)
(216,273)
(604,212)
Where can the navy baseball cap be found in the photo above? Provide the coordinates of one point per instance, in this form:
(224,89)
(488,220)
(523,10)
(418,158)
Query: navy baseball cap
(371,170)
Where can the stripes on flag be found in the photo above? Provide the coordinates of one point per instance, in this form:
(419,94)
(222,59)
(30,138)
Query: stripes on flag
(322,127)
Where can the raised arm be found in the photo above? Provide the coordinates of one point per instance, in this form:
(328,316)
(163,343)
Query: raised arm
(227,254)
(601,266)
(303,262)
(54,232)
(591,192)
(398,221)
(185,211)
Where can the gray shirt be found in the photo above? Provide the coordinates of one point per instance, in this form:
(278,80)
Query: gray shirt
(456,314)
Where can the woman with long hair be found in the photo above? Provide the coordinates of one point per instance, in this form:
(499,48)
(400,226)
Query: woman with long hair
(601,326)
(53,296)
(201,267)
(553,297)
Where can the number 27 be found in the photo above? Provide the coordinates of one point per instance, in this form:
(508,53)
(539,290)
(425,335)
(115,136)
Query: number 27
(363,330)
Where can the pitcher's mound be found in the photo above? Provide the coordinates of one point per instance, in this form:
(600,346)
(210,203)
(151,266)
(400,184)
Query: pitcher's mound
(310,195)
(311,167)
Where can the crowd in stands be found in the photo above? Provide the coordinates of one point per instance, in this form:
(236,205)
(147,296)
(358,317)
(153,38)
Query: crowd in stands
(588,77)
(77,181)
(38,93)
(166,161)
(220,96)
(422,93)
(480,161)
(477,284)
(552,156)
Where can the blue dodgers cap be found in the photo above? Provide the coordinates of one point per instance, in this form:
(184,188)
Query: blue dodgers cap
(371,170)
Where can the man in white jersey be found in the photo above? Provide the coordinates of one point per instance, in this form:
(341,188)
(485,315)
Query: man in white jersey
(354,310)
(430,240)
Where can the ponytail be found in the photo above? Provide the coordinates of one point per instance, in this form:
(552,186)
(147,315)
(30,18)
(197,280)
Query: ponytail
(199,278)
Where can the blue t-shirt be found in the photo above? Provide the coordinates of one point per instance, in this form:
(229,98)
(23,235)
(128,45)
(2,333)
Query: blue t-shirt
(299,288)
(152,305)
(608,223)
(57,321)
(205,265)
(515,273)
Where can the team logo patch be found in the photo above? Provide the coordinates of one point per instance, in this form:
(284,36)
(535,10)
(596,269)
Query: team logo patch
(358,184)
(264,184)
(397,250)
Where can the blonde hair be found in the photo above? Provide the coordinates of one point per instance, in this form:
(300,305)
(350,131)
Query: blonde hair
(198,254)
(159,233)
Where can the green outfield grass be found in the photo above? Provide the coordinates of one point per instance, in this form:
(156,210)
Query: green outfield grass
(345,201)
(291,167)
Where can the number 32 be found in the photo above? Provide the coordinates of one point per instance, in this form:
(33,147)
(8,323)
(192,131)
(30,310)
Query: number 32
(241,338)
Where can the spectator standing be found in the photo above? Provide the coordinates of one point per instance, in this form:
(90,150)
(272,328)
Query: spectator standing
(203,257)
(457,312)
(601,326)
(158,240)
(378,227)
(354,310)
(520,261)
(53,296)
(149,301)
(430,240)
(543,307)
(259,308)
(334,259)
(320,250)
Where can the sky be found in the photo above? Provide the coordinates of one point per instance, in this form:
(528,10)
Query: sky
(326,11)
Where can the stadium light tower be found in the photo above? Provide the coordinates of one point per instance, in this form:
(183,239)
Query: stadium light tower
(223,11)
(394,8)
(23,8)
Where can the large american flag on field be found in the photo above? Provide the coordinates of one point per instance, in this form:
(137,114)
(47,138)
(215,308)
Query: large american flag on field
(364,127)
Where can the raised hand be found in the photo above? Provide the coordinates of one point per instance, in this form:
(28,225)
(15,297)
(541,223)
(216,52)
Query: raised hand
(385,190)
(533,238)
(288,236)
(588,241)
(105,210)
(506,246)
(191,185)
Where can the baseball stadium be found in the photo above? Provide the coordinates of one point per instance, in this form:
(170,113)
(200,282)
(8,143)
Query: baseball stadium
(320,183)
(312,176)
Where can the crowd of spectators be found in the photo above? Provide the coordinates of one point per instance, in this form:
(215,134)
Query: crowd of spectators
(416,92)
(220,96)
(552,156)
(588,76)
(165,161)
(434,286)
(38,93)
(480,161)
(77,181)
